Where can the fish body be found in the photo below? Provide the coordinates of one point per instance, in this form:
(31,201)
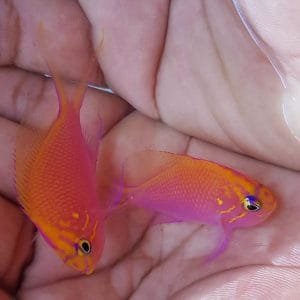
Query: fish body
(195,190)
(56,184)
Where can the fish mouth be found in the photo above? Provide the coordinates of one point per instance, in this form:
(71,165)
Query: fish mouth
(85,269)
(88,270)
(270,202)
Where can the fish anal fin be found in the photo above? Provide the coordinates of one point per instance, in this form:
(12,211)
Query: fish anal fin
(164,219)
(146,164)
(222,243)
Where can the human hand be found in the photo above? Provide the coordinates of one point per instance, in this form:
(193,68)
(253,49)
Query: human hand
(212,83)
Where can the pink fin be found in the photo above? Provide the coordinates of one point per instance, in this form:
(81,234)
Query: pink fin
(164,219)
(144,165)
(222,244)
(95,129)
(116,195)
(111,193)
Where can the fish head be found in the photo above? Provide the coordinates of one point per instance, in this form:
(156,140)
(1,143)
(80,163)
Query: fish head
(88,248)
(79,249)
(254,204)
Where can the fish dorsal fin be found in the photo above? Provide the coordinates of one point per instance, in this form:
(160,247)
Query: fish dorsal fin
(144,165)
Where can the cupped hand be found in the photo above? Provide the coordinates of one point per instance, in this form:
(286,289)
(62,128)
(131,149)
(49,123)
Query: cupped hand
(199,85)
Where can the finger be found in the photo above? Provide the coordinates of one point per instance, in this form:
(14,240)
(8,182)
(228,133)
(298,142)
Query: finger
(136,133)
(32,98)
(251,281)
(275,29)
(68,43)
(4,295)
(16,244)
(275,24)
(230,97)
(133,41)
(212,82)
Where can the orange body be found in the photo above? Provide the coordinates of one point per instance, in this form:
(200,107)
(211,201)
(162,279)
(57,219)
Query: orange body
(56,185)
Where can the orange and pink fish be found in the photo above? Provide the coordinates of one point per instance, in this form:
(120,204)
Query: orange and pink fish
(55,175)
(186,189)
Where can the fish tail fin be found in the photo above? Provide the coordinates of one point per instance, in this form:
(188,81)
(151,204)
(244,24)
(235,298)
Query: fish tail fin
(58,82)
(81,89)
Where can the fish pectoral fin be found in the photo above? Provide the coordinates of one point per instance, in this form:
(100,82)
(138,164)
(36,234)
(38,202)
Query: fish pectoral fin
(111,195)
(28,142)
(92,132)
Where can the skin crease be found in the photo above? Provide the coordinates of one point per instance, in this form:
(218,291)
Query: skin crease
(193,67)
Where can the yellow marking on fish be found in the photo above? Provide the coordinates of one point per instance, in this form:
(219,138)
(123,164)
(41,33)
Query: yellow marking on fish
(68,235)
(62,244)
(219,201)
(87,221)
(75,215)
(94,230)
(64,223)
(241,215)
(228,210)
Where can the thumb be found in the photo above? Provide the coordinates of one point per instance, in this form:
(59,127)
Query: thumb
(274,26)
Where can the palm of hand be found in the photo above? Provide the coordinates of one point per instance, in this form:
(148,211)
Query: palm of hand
(162,261)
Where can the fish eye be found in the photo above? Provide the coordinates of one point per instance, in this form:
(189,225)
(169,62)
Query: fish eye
(85,246)
(251,203)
